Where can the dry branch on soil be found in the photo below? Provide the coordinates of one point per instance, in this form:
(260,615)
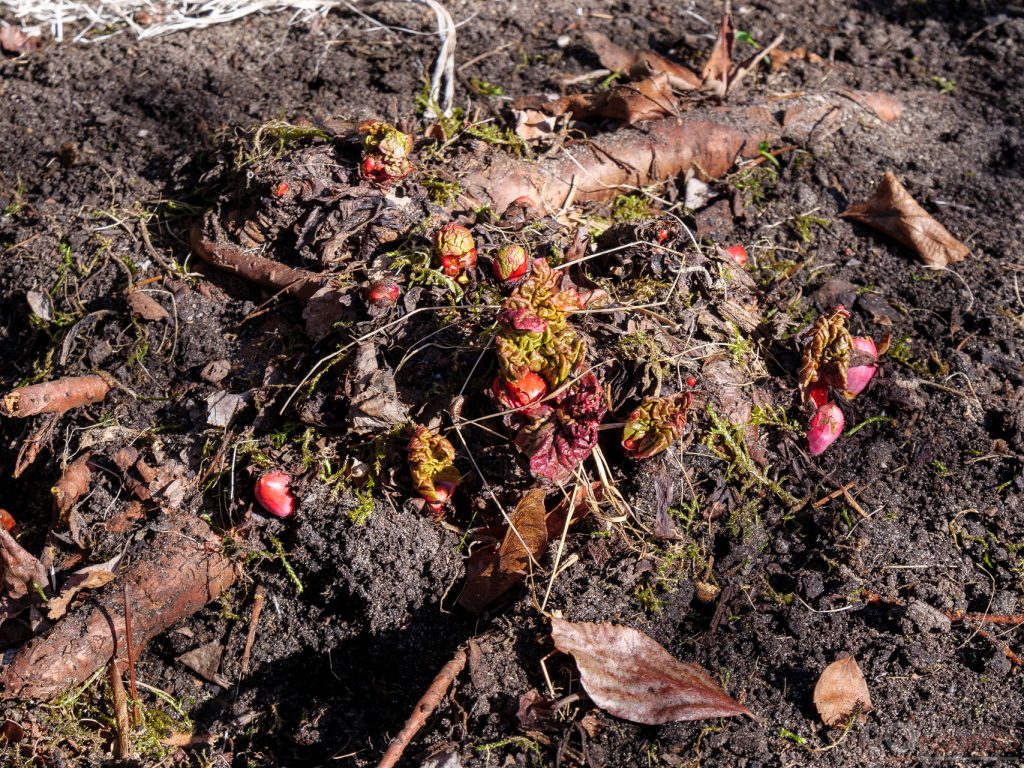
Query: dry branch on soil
(182,571)
(56,396)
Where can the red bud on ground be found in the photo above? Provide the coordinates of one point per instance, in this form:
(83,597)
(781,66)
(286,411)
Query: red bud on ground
(511,262)
(691,382)
(518,394)
(7,521)
(383,292)
(738,253)
(858,376)
(281,189)
(455,247)
(273,494)
(662,235)
(826,427)
(818,394)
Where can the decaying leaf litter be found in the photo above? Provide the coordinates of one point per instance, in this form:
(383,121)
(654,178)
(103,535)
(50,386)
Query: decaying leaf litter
(738,449)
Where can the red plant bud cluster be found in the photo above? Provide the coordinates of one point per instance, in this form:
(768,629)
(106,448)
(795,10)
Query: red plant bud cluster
(432,466)
(273,494)
(510,262)
(383,292)
(456,249)
(386,152)
(832,357)
(738,253)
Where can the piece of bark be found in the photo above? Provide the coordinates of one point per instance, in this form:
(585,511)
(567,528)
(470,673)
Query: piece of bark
(892,210)
(211,245)
(182,570)
(56,396)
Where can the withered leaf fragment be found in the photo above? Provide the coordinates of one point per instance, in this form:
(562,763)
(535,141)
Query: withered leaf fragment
(840,691)
(90,577)
(655,424)
(893,211)
(19,569)
(641,63)
(631,676)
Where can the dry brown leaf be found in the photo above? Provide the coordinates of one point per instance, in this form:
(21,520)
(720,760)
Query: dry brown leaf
(640,63)
(631,676)
(893,211)
(716,73)
(491,573)
(839,692)
(20,570)
(647,99)
(145,306)
(886,107)
(14,40)
(780,58)
(90,577)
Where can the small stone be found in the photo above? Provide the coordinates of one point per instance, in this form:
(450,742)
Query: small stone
(216,371)
(926,618)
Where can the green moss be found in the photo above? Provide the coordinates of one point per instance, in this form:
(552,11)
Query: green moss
(627,208)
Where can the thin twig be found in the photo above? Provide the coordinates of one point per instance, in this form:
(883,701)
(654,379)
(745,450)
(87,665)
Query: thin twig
(254,622)
(130,650)
(423,709)
(123,746)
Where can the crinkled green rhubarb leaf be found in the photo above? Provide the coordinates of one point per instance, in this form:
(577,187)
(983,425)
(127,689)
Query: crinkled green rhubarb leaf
(655,424)
(825,352)
(386,152)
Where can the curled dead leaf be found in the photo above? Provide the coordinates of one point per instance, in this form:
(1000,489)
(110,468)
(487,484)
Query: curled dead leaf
(886,107)
(145,306)
(840,691)
(893,211)
(641,63)
(90,577)
(19,569)
(631,676)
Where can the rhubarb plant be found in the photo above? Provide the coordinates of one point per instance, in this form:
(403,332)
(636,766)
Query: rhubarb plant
(456,249)
(558,435)
(534,333)
(386,152)
(655,424)
(432,465)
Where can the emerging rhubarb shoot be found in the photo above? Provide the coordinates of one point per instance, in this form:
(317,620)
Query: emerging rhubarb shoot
(655,425)
(273,494)
(825,356)
(510,262)
(455,249)
(432,465)
(386,152)
(826,426)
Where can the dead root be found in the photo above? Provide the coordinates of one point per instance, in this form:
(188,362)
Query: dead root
(184,569)
(58,396)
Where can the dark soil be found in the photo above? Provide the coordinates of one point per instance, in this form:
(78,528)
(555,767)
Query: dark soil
(97,138)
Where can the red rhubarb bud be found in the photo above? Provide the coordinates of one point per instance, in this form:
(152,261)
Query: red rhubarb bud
(386,153)
(511,262)
(518,394)
(738,253)
(7,521)
(431,464)
(455,248)
(858,376)
(273,494)
(383,292)
(826,426)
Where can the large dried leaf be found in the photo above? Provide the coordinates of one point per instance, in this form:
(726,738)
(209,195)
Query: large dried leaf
(631,676)
(491,573)
(893,211)
(642,63)
(719,65)
(840,691)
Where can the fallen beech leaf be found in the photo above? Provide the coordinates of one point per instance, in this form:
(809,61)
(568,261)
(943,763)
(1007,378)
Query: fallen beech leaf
(204,660)
(14,40)
(631,676)
(893,211)
(491,573)
(145,306)
(90,577)
(840,690)
(886,108)
(646,99)
(641,63)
